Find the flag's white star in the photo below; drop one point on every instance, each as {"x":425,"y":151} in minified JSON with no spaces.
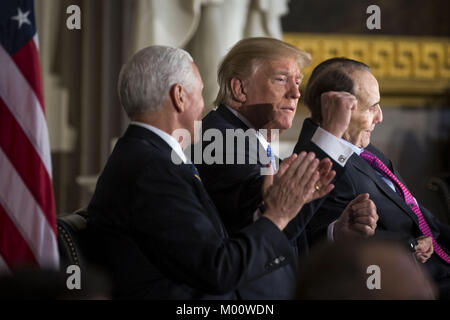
{"x":22,"y":17}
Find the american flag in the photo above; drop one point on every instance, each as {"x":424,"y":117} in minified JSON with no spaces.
{"x":27,"y":207}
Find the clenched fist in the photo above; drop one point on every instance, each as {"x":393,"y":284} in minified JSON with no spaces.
{"x":423,"y":249}
{"x":359,"y":219}
{"x":337,"y":107}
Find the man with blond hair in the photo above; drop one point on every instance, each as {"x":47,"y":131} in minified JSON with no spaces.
{"x":259,"y":80}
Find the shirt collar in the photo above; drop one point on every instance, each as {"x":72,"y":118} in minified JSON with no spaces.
{"x":171,"y":141}
{"x":240,"y":117}
{"x":355,"y":149}
{"x":260,"y":137}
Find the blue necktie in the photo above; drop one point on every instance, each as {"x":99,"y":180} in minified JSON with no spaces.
{"x":196,"y":174}
{"x":272,"y":158}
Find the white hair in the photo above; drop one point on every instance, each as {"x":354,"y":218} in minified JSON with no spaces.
{"x":145,"y":80}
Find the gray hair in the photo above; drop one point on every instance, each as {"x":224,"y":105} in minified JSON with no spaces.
{"x":145,"y":80}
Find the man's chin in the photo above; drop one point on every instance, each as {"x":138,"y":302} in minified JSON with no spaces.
{"x":365,"y":144}
{"x":284,"y":124}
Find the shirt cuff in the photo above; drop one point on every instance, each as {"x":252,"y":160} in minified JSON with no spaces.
{"x":332,"y":146}
{"x":330,"y":231}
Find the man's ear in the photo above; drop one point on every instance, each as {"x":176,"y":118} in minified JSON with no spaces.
{"x":178,"y":97}
{"x":238,"y":90}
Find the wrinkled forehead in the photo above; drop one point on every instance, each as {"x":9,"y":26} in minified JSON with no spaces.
{"x":365,"y":86}
{"x":288,"y":65}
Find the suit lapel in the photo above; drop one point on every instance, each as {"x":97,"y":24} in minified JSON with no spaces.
{"x":308,"y":130}
{"x":361,"y":165}
{"x":231,"y":118}
{"x":238,"y":124}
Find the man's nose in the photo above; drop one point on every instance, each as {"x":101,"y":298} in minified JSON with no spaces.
{"x":379,"y":115}
{"x":294,"y":92}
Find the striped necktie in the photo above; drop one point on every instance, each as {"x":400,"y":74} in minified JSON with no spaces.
{"x":378,"y":165}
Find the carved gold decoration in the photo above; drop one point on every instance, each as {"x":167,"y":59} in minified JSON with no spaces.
{"x":412,"y":71}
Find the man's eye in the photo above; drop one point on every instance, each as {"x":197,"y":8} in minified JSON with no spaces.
{"x":280,"y":79}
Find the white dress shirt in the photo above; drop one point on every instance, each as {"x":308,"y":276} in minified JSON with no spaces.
{"x":337,"y":149}
{"x":261,"y":138}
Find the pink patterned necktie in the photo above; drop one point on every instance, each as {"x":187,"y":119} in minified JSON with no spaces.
{"x":378,"y":165}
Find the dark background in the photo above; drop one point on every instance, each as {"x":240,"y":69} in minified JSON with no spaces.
{"x":398,"y":17}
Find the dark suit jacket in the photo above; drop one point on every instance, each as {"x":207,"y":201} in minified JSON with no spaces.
{"x":154,"y":227}
{"x":236,"y":192}
{"x":396,"y":219}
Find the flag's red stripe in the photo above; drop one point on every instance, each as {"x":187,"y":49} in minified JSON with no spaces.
{"x":13,"y":248}
{"x":28,"y":164}
{"x":27,"y":60}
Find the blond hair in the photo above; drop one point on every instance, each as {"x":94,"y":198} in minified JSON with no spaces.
{"x":246,"y":55}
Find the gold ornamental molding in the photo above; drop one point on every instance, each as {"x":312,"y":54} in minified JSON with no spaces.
{"x":412,"y":71}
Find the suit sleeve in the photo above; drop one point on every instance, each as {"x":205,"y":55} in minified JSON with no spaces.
{"x":440,"y":230}
{"x":177,"y":233}
{"x":444,"y":235}
{"x":324,"y":145}
{"x":331,"y":209}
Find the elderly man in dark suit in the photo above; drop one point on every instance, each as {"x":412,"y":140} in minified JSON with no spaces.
{"x":152,"y":223}
{"x":368,"y":170}
{"x":258,"y":95}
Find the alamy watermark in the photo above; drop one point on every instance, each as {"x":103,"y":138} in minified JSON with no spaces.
{"x":74,"y":279}
{"x":236,"y":146}
{"x":374,"y":20}
{"x":74,"y":20}
{"x":374,"y":280}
